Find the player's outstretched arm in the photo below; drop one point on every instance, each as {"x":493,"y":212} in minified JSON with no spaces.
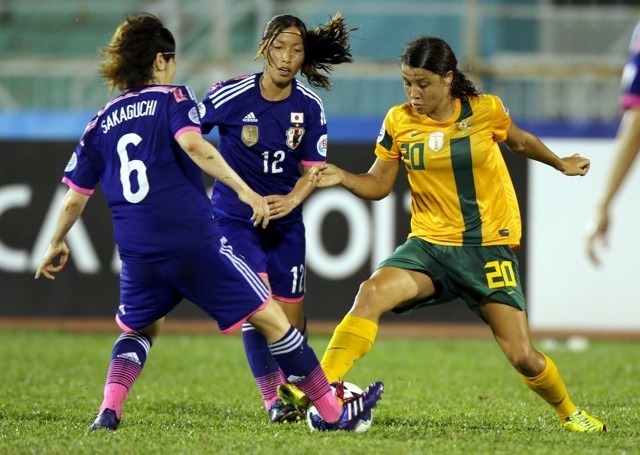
{"x":526,"y":144}
{"x":207,"y":157}
{"x":374,"y":185}
{"x":55,"y":258}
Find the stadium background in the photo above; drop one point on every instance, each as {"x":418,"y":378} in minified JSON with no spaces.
{"x":555,"y":63}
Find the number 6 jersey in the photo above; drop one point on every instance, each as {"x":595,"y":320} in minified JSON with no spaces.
{"x":149,"y":182}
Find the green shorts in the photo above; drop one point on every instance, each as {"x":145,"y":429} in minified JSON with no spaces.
{"x":472,"y":273}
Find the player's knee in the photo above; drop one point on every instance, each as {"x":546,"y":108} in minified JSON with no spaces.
{"x":370,"y":299}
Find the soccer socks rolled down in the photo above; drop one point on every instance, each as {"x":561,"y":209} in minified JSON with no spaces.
{"x":127,"y":360}
{"x":301,"y":367}
{"x":264,"y":367}
{"x":351,"y":340}
{"x":550,"y":387}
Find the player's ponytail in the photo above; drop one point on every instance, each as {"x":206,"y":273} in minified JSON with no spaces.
{"x":326,"y":45}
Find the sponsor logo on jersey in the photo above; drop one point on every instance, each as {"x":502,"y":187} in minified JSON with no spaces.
{"x":321,"y":146}
{"x":294,"y":136}
{"x":250,"y":118}
{"x":73,"y":162}
{"x":297,"y":117}
{"x":249,"y":135}
{"x":436,"y":141}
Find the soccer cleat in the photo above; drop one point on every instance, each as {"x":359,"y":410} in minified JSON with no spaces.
{"x":293,"y":396}
{"x":582,"y":422}
{"x":283,"y":413}
{"x":353,"y":410}
{"x":106,"y":420}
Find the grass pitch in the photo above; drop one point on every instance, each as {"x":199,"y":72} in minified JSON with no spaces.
{"x":196,"y":396}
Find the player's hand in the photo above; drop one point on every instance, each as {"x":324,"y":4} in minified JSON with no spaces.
{"x":325,"y":175}
{"x":575,"y":165}
{"x":597,"y":233}
{"x":59,"y":254}
{"x":260,"y":208}
{"x":280,"y":206}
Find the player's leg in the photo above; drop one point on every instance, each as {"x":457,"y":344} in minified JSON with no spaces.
{"x":539,"y":373}
{"x":301,"y":367}
{"x":388,"y":288}
{"x":280,"y":251}
{"x":267,"y":374}
{"x":227,"y":289}
{"x":144,"y":303}
{"x":128,"y":357}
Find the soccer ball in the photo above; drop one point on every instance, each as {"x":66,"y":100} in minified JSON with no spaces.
{"x":350,"y":390}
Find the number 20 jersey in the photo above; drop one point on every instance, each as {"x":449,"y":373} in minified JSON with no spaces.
{"x":155,"y":191}
{"x":264,"y":141}
{"x":461,"y":191}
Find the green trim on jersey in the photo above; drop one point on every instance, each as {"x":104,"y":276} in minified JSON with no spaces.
{"x":462,"y":166}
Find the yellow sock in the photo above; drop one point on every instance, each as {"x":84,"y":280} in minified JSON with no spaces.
{"x":550,"y":386}
{"x":351,"y":340}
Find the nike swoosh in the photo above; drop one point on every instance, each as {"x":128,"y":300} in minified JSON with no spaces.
{"x":415,"y":133}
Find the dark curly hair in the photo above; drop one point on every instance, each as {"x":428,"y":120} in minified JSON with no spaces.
{"x":324,"y":46}
{"x":434,"y":54}
{"x":127,"y":61}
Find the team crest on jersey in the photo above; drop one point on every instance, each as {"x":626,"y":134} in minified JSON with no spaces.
{"x":436,"y":141}
{"x":249,"y":135}
{"x":294,"y":136}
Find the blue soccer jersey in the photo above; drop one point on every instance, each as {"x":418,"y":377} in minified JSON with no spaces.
{"x":264,"y":141}
{"x":149,"y":182}
{"x":631,"y":74}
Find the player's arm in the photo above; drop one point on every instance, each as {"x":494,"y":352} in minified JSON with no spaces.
{"x":207,"y":157}
{"x":374,"y":185}
{"x":526,"y":144}
{"x":627,"y":151}
{"x":628,"y":148}
{"x":281,"y":205}
{"x":70,"y":210}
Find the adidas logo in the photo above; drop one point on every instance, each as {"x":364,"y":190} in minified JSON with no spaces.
{"x":250,"y":117}
{"x":130,"y":356}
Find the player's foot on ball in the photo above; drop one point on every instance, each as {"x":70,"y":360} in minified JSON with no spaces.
{"x":283,"y":413}
{"x":582,"y":422}
{"x":353,"y":410}
{"x":106,"y":420}
{"x":293,"y":396}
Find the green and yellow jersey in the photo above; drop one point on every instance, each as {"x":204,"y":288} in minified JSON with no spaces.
{"x":460,"y":186}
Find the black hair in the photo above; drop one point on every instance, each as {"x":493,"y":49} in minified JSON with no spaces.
{"x":324,"y":46}
{"x":434,"y":54}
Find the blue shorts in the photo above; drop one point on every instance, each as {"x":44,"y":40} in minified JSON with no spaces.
{"x":214,"y":278}
{"x":277,"y":252}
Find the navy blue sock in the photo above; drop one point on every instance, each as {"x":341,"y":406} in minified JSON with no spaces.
{"x":264,"y":367}
{"x":301,"y":367}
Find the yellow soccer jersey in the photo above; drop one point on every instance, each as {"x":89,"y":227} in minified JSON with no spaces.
{"x":460,"y":186}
